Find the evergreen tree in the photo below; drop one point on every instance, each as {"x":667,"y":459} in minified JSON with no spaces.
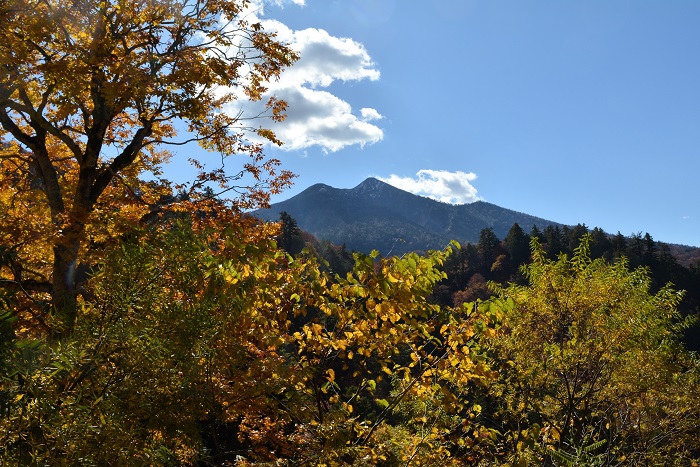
{"x":601,"y":246}
{"x":517,"y":246}
{"x":535,"y":232}
{"x":574,"y":237}
{"x":290,"y":238}
{"x":553,"y":241}
{"x":635,"y":250}
{"x":489,"y":249}
{"x":619,"y":245}
{"x":461,"y":266}
{"x":650,"y":250}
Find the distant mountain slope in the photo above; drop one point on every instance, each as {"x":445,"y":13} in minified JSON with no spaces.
{"x":685,"y":255}
{"x":376,"y":215}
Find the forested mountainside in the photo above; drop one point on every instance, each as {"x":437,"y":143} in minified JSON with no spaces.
{"x":376,"y":215}
{"x":684,"y":254}
{"x":500,"y":259}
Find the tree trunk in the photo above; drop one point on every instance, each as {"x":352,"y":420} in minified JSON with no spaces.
{"x":63,"y":295}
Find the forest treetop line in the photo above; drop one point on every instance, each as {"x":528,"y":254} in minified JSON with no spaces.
{"x":376,"y":215}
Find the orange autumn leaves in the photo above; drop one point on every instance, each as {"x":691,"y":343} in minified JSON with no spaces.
{"x":91,"y":91}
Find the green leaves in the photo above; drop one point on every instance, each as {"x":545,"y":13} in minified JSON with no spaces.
{"x":193,"y":337}
{"x":586,"y":349}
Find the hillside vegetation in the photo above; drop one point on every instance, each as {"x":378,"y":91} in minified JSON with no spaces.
{"x":200,"y":345}
{"x":148,"y":323}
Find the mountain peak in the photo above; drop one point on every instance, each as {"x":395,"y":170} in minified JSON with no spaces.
{"x":374,"y":214}
{"x":371,"y":184}
{"x":371,"y":188}
{"x":319,"y":187}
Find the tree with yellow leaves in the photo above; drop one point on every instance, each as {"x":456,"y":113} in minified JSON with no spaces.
{"x":90,"y":91}
{"x":593,"y":371}
{"x":194,"y":339}
{"x":201,"y":344}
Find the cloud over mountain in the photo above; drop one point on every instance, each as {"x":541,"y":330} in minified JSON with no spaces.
{"x":448,"y":187}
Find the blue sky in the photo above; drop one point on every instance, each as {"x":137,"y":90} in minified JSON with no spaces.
{"x":576,"y":111}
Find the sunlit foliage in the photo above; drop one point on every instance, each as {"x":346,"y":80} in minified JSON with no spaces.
{"x":592,"y":367}
{"x":145,"y":326}
{"x":194,"y":344}
{"x":90,"y":92}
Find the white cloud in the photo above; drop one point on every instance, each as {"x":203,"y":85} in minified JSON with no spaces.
{"x":296,"y":2}
{"x":324,"y":58}
{"x":448,"y":187}
{"x":370,"y":114}
{"x":315,"y":117}
{"x":318,"y":118}
{"x":257,"y":7}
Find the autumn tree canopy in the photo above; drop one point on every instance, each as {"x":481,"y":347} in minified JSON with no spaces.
{"x":131,"y":338}
{"x":91,"y":92}
{"x":592,"y":369}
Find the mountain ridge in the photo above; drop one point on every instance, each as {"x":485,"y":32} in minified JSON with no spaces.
{"x":376,"y":215}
